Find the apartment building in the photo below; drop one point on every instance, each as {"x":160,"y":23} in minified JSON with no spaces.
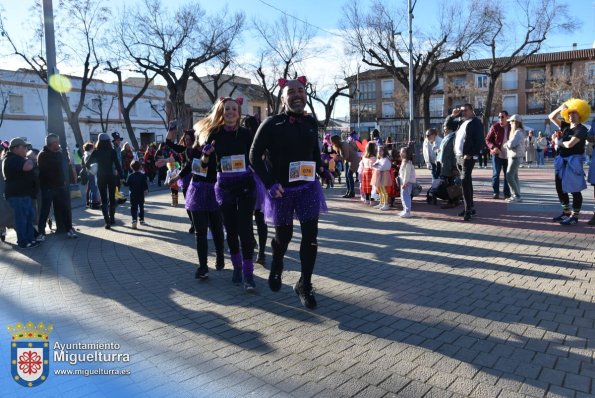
{"x":23,"y":109}
{"x":533,"y":89}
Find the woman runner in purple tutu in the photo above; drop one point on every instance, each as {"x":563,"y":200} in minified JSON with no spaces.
{"x":291,"y":139}
{"x":202,"y":205}
{"x":235,"y":190}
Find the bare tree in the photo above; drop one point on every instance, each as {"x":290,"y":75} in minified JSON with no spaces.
{"x":172,"y":45}
{"x":3,"y":104}
{"x":160,"y":111}
{"x":533,"y":21}
{"x":328,"y":105}
{"x":286,"y":45}
{"x":212,"y":83}
{"x":101,"y":105}
{"x":82,"y":21}
{"x":376,"y":37}
{"x":125,"y":108}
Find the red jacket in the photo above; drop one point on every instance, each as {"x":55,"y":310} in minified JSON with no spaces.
{"x":496,"y":136}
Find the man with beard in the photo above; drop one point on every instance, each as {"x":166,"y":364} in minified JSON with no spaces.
{"x":291,"y":139}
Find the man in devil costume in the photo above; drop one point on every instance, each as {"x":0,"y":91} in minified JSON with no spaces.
{"x":290,"y":141}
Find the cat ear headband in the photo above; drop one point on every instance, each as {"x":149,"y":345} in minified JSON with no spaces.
{"x":283,"y":82}
{"x":239,"y":100}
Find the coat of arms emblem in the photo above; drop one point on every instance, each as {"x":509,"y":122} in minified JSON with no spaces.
{"x":30,"y":353}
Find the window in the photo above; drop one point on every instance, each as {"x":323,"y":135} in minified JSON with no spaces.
{"x":481,"y":81}
{"x":535,"y":77}
{"x":590,"y":71}
{"x":367,"y":90}
{"x":561,"y":71}
{"x":440,"y":85}
{"x":96,"y":104}
{"x":557,"y":97}
{"x":257,"y":110}
{"x":591,"y":97}
{"x":15,"y":103}
{"x":133,"y":110}
{"x":93,"y":137}
{"x":459,"y":81}
{"x":510,"y":104}
{"x":535,"y":103}
{"x":388,"y":88}
{"x":480,"y":102}
{"x":437,"y":106}
{"x":367,"y":112}
{"x":388,"y":109}
{"x":510,"y":80}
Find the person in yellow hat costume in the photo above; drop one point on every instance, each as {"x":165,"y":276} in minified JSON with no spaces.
{"x":570,"y":144}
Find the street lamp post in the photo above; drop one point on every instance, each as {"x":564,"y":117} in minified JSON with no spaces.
{"x":411,"y":77}
{"x":55,"y":121}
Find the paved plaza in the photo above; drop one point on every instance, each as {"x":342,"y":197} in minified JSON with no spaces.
{"x":502,"y":306}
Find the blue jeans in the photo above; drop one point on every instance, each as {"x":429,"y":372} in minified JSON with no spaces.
{"x":434,"y":171}
{"x":92,"y":192}
{"x":24,"y":217}
{"x":349,"y":178}
{"x":540,"y":158}
{"x":406,"y":197}
{"x":497,"y":166}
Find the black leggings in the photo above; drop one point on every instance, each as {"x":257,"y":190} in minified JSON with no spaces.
{"x":203,"y":220}
{"x":262,"y":229}
{"x":188,"y":211}
{"x":107,"y":190}
{"x":577,"y":197}
{"x":308,"y":247}
{"x":237,"y":219}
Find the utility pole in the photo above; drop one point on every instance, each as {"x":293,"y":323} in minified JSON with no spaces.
{"x":411,"y":77}
{"x":55,"y":122}
{"x":358,"y":105}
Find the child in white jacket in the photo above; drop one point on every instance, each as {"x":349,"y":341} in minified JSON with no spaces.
{"x":407,"y":179}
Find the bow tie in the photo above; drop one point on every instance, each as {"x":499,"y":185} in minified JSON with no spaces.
{"x":295,"y":119}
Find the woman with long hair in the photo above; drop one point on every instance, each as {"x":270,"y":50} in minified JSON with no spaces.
{"x":221,"y":136}
{"x":201,"y":203}
{"x":108,"y":170}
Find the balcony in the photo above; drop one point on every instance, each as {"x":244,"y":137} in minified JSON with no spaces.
{"x":532,"y":83}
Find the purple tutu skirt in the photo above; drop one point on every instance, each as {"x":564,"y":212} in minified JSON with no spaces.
{"x":231,"y":187}
{"x":304,"y":202}
{"x":200,"y":196}
{"x":184,"y":183}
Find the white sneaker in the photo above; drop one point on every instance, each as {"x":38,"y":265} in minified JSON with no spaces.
{"x":40,"y":238}
{"x":405,"y":214}
{"x":514,"y":199}
{"x":385,"y":207}
{"x":367,"y":202}
{"x":71,"y":234}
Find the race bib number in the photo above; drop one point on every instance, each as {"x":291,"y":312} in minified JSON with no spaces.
{"x":302,"y":171}
{"x":197,"y":168}
{"x":233,"y":164}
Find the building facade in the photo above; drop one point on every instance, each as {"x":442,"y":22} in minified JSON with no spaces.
{"x":255,"y":102}
{"x":533,"y":89}
{"x":23,"y":109}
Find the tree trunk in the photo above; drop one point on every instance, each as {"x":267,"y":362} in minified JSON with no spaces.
{"x":73,"y":121}
{"x":129,"y":129}
{"x":487,"y":112}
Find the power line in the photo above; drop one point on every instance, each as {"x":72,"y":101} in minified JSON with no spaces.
{"x":299,"y":19}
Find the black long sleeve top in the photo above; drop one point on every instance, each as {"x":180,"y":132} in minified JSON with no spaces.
{"x":230,"y":143}
{"x":196,"y":154}
{"x":107,"y":162}
{"x":286,"y":142}
{"x":474,"y":139}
